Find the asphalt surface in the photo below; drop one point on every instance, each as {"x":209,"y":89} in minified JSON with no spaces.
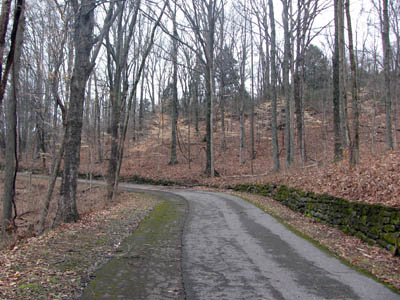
{"x":233,"y":250}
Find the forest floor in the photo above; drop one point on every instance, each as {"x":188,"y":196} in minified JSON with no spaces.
{"x":59,"y":263}
{"x":375,"y":180}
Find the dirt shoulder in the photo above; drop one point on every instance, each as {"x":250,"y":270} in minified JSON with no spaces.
{"x":59,"y":264}
{"x":370,"y":260}
{"x":148,"y":265}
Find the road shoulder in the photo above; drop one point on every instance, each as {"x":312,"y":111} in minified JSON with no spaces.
{"x":148,"y":265}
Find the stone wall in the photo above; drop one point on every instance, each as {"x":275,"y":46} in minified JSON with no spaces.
{"x":375,"y":224}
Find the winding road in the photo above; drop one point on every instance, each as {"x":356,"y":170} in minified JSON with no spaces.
{"x":230,"y":249}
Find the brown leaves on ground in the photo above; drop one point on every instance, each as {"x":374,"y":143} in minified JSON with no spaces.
{"x":58,"y":264}
{"x":376,"y":180}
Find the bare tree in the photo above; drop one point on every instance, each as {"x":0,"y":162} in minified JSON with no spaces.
{"x":286,"y":76}
{"x":355,"y":139}
{"x":147,"y":46}
{"x":243,"y":53}
{"x":274,"y":77}
{"x":338,"y":150}
{"x":117,"y":54}
{"x":84,"y":43}
{"x":11,"y":158}
{"x":174,"y":102}
{"x":203,"y":16}
{"x":385,"y":30}
{"x":5,"y":70}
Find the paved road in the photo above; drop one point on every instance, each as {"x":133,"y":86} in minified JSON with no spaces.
{"x":233,"y":250}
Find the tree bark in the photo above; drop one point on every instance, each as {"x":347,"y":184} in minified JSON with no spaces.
{"x":174,"y":102}
{"x":83,"y":44}
{"x":338,"y":149}
{"x":286,"y":83}
{"x":355,"y":139}
{"x":387,"y":69}
{"x":344,"y":122}
{"x":274,"y":76}
{"x":4,"y":20}
{"x":11,"y":161}
{"x":242,"y":109}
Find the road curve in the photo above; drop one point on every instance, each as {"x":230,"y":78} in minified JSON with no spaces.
{"x":233,"y":250}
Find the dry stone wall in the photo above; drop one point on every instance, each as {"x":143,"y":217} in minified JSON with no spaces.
{"x":375,"y":224}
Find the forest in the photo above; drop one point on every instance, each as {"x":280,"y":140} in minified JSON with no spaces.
{"x":255,"y":86}
{"x":195,"y":93}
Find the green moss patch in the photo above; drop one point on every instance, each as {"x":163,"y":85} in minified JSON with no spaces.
{"x":148,"y":261}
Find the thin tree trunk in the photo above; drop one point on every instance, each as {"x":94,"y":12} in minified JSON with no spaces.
{"x":124,"y":127}
{"x":344,"y":122}
{"x":209,"y":102}
{"x":11,"y":157}
{"x":242,"y":108}
{"x":338,"y":149}
{"x":298,"y":85}
{"x":98,"y":121}
{"x":355,"y":140}
{"x":141,"y":109}
{"x":252,"y":150}
{"x":387,"y":69}
{"x":174,"y":104}
{"x":286,"y":73}
{"x":273,"y":88}
{"x":50,"y":189}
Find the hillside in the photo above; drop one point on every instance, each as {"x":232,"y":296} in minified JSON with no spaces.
{"x":375,"y":180}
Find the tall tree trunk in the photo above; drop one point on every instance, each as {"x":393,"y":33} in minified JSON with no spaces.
{"x":116,"y":95}
{"x":11,"y":158}
{"x":274,"y":76}
{"x":338,"y":149}
{"x":174,"y":102}
{"x":113,"y":179}
{"x":83,"y":42}
{"x":286,"y":83}
{"x":208,"y":122}
{"x":355,"y":139}
{"x":242,"y":109}
{"x":210,"y":86}
{"x":344,"y":122}
{"x":252,"y":138}
{"x":387,"y":69}
{"x":298,"y":84}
